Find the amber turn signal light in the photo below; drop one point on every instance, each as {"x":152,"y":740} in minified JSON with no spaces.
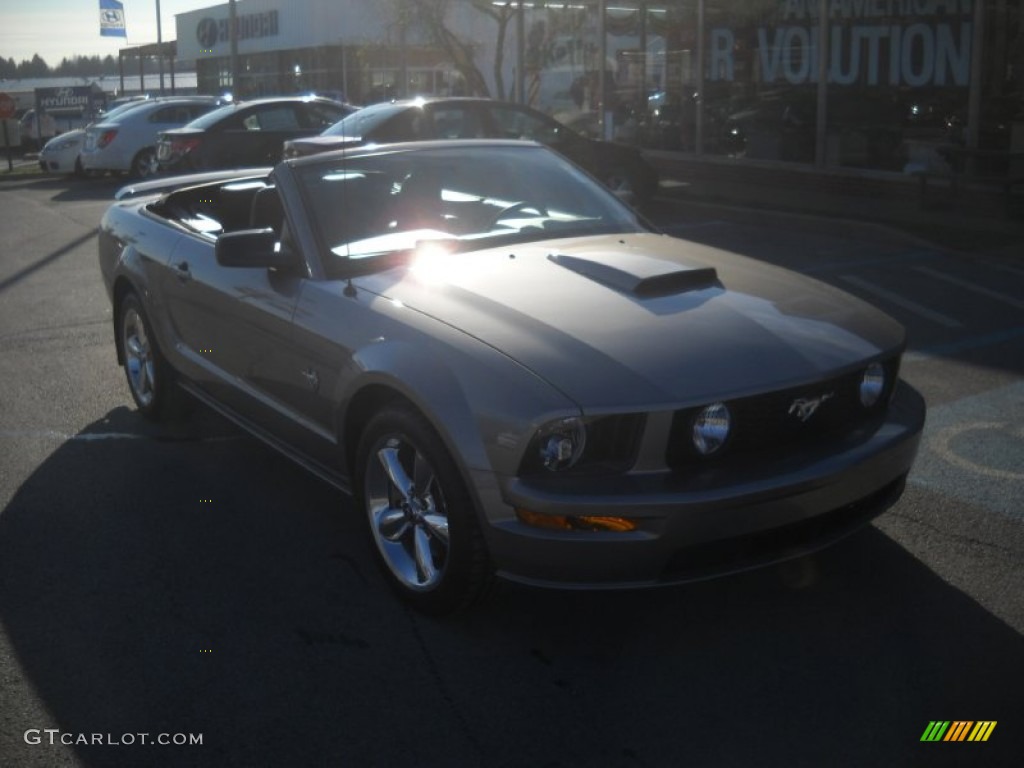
{"x":574,"y":522}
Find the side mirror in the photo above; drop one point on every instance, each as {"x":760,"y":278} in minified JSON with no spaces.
{"x":253,"y":249}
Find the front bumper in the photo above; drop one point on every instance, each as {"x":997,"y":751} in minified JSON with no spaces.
{"x":712,"y":521}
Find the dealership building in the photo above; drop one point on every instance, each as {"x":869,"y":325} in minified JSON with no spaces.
{"x":865,"y":85}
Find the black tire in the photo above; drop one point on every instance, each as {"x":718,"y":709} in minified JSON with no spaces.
{"x":426,"y":539}
{"x":150,"y":377}
{"x":144,"y":164}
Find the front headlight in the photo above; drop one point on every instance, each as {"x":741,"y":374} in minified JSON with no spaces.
{"x":560,"y":444}
{"x":600,"y":444}
{"x":872,"y":384}
{"x":711,"y":428}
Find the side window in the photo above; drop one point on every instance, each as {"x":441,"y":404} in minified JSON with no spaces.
{"x":235,"y":122}
{"x":274,"y":118}
{"x":457,"y":122}
{"x":516,"y":124}
{"x":166,"y":115}
{"x":405,"y":126}
{"x":177,"y":113}
{"x":320,"y":116}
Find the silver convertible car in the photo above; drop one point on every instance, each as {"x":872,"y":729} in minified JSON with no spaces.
{"x":510,"y":371}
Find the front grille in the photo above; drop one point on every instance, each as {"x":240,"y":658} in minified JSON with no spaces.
{"x":805,"y":415}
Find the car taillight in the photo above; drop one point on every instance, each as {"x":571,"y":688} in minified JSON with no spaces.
{"x":105,"y":138}
{"x":184,"y":146}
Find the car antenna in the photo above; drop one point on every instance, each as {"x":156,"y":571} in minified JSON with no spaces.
{"x":350,"y":290}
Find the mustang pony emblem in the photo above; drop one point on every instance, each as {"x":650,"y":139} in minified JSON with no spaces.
{"x":804,"y":407}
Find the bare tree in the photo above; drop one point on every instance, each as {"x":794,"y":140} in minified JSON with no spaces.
{"x":432,"y":15}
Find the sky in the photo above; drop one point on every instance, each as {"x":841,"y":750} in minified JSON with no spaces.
{"x":56,"y":29}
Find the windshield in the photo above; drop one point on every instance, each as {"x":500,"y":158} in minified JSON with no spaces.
{"x":120,"y":109}
{"x":393,"y":201}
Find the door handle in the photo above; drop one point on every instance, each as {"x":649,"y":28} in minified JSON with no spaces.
{"x":182,"y":271}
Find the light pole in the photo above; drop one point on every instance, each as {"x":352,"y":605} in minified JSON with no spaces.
{"x":159,"y":48}
{"x":233,"y":25}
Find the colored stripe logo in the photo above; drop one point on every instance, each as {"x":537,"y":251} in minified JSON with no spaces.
{"x":958,"y":730}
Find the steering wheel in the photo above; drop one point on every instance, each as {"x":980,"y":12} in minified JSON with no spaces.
{"x":523,"y":205}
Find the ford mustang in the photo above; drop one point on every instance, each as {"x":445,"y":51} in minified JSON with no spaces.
{"x":511,"y":372}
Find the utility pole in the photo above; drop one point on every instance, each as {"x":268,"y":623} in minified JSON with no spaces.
{"x":159,"y":48}
{"x":233,"y":32}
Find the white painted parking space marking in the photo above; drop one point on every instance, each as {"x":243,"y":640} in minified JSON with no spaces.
{"x":934,"y":351}
{"x":88,"y":437}
{"x":968,"y":285}
{"x":1003,"y":267}
{"x":880,"y":261}
{"x":900,"y":301}
{"x":972,"y":451}
{"x":944,"y":444}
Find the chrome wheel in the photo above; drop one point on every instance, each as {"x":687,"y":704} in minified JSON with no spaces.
{"x":139,"y":362}
{"x":151,"y":379}
{"x":407,"y":512}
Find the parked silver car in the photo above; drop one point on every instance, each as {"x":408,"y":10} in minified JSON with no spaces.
{"x":509,"y":369}
{"x":126,"y":142}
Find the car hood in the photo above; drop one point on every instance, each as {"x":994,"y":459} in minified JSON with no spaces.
{"x":644,"y":319}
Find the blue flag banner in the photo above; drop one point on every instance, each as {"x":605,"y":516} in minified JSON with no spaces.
{"x":112,"y":19}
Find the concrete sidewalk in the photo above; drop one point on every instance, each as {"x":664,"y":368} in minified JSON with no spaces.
{"x":977,"y":218}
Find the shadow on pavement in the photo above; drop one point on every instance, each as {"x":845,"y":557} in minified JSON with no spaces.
{"x":210,"y":587}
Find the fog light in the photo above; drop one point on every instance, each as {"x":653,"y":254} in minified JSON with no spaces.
{"x":711,"y":428}
{"x":872,"y":384}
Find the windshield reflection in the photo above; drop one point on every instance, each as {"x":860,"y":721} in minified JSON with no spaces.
{"x":391,"y":202}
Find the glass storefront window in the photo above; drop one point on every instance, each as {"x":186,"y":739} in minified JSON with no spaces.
{"x":760,"y":76}
{"x":669,"y":48}
{"x":895,"y":79}
{"x":562,"y":51}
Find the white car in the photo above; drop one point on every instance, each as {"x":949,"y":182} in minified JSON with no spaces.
{"x":126,"y":142}
{"x":60,"y":154}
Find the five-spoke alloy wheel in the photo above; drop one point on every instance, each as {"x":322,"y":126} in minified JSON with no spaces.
{"x":149,"y":375}
{"x":421,"y":518}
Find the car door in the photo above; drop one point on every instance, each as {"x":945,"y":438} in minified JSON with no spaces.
{"x":233,"y":325}
{"x":254,"y":136}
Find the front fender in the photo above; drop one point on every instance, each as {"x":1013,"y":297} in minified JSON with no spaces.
{"x":131,"y":250}
{"x":484,"y":406}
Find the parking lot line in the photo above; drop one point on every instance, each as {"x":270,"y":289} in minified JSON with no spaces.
{"x":963,"y":345}
{"x":967,"y":284}
{"x":886,"y":260}
{"x":898,"y":300}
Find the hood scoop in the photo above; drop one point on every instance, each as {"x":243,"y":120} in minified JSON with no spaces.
{"x":640,"y":276}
